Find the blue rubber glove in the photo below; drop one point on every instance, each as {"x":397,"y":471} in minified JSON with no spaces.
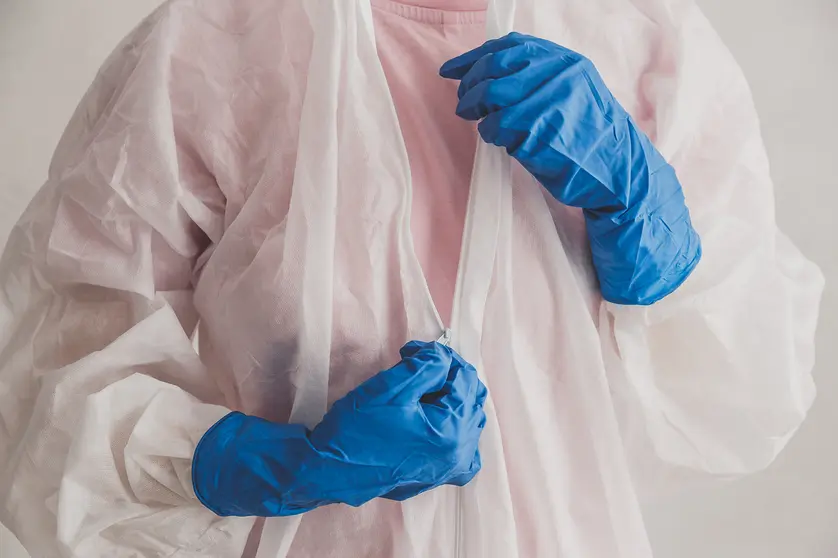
{"x":550,"y":109}
{"x":408,"y":429}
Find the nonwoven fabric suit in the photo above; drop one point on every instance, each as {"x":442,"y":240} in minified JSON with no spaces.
{"x":237,"y":179}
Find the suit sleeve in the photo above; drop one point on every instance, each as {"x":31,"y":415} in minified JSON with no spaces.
{"x":102,"y":395}
{"x":716,"y":378}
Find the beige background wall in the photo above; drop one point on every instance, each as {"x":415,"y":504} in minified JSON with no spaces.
{"x":50,"y":50}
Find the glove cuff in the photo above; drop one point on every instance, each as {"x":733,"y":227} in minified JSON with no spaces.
{"x":247,"y":466}
{"x":641,"y":261}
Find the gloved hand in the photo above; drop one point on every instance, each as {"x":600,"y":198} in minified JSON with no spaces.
{"x":550,"y":109}
{"x":411,"y":428}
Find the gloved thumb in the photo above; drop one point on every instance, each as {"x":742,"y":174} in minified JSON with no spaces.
{"x":423,"y":369}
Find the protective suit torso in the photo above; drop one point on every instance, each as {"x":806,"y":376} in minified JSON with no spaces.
{"x":238,"y":169}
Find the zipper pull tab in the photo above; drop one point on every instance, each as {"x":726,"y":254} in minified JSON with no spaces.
{"x":446,"y":338}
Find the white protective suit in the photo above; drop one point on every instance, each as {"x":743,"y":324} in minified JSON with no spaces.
{"x":238,"y":164}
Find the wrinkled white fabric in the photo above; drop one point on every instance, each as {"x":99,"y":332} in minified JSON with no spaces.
{"x":239,"y":165}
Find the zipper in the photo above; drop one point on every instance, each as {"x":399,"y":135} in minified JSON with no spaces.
{"x":445,"y":339}
{"x":458,"y":528}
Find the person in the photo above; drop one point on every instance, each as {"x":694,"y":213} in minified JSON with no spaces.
{"x":404,"y":349}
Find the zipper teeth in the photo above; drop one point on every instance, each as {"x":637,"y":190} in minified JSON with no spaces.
{"x":445,"y":339}
{"x":458,"y":547}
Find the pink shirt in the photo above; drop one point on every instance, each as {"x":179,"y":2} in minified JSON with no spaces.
{"x":415,"y":37}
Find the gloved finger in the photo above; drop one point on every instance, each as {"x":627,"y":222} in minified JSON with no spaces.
{"x":460,"y":390}
{"x":457,"y":67}
{"x":495,"y":66}
{"x":478,"y":421}
{"x":457,"y":357}
{"x":407,"y":491}
{"x":467,"y":476}
{"x":460,"y":428}
{"x":459,"y":478}
{"x":465,"y":387}
{"x":505,"y":128}
{"x":483,"y":97}
{"x":482,"y":391}
{"x":413,"y":347}
{"x":481,"y":100}
{"x":424,"y":370}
